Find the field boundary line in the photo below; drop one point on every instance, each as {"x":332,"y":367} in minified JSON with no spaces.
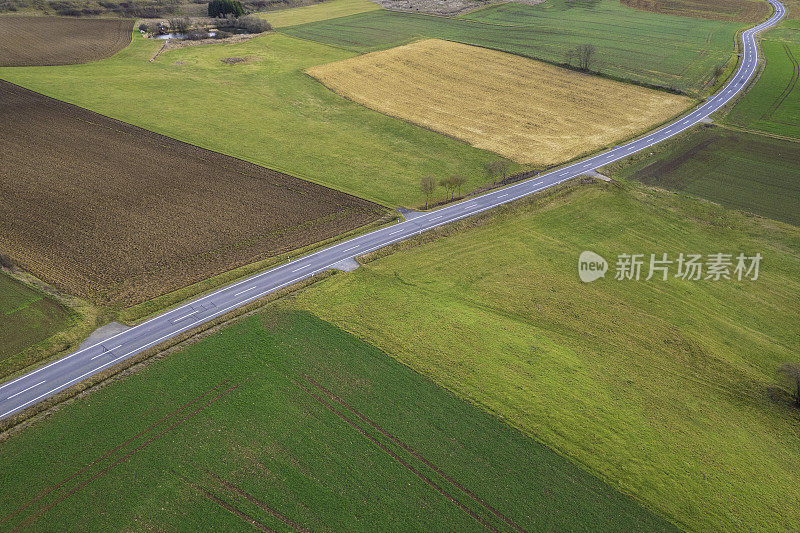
{"x":734,"y":127}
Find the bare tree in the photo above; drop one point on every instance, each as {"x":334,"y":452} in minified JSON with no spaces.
{"x":447,"y":183}
{"x":570,"y":56}
{"x":792,"y":372}
{"x":583,"y":55}
{"x":458,"y":181}
{"x":586,"y":56}
{"x":497,"y":170}
{"x":427,"y":186}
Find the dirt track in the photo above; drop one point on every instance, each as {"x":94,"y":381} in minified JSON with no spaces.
{"x":117,"y":214}
{"x":34,"y":41}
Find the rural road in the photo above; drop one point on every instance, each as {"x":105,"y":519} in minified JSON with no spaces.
{"x":33,"y":387}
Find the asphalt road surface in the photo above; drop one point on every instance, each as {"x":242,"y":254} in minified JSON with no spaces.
{"x":33,"y":387}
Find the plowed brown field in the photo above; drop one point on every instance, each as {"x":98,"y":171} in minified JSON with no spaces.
{"x":118,"y":214}
{"x":30,"y":41}
{"x":750,"y":11}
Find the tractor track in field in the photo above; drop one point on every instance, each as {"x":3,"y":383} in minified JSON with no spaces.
{"x":227,"y":506}
{"x":146,"y":430}
{"x":32,"y":518}
{"x":416,"y":454}
{"x":789,"y":87}
{"x":258,"y":503}
{"x":408,"y":466}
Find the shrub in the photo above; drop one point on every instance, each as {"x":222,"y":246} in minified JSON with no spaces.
{"x":253,"y":24}
{"x":180,"y":25}
{"x":227,"y":22}
{"x":222,"y":34}
{"x":197,"y":35}
{"x":7,"y":6}
{"x":6,"y":261}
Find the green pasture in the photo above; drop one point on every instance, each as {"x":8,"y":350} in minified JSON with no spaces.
{"x":772,"y":105}
{"x":27,"y":317}
{"x":740,"y":170}
{"x":650,"y":48}
{"x":266,"y":111}
{"x":667,"y":389}
{"x":286,"y":423}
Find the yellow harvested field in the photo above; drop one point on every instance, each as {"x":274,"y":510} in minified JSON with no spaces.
{"x":526,"y":110}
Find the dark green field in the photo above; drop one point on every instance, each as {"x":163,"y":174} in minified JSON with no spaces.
{"x":744,"y":171}
{"x":773,"y":103}
{"x":644,"y":47}
{"x":27,"y":317}
{"x":288,"y":423}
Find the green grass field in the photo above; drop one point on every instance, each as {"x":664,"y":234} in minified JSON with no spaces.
{"x":663,"y":50}
{"x":323,"y":11}
{"x":266,"y":111}
{"x":27,"y":317}
{"x":773,"y":103}
{"x":660,"y":387}
{"x":746,"y":171}
{"x":788,"y":30}
{"x":286,"y":422}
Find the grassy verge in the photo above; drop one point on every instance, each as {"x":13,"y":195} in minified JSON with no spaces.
{"x":664,"y":388}
{"x":286,"y":422}
{"x":137,"y":313}
{"x":740,"y":170}
{"x":35,"y":325}
{"x":647,"y":48}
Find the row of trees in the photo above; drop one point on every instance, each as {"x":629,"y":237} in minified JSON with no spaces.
{"x":496,"y":171}
{"x":451,"y":184}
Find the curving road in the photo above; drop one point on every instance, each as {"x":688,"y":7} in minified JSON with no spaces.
{"x":30,"y":388}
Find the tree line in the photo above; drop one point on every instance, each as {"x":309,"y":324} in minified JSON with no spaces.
{"x":496,"y":171}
